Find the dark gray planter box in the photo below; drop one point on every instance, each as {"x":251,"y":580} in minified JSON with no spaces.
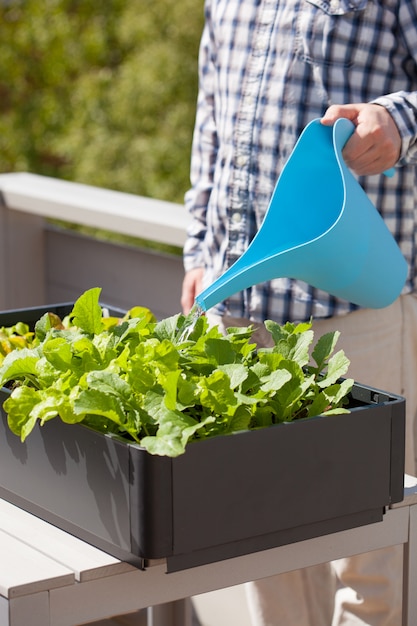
{"x":224,"y":497}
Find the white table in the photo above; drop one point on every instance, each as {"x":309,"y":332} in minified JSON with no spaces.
{"x":49,"y":578}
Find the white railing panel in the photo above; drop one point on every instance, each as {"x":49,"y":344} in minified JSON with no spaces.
{"x":40,"y":263}
{"x":115,"y":211}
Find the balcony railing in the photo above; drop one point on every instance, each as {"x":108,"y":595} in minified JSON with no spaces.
{"x":43,"y":262}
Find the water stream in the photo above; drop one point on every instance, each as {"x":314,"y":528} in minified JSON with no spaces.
{"x":190,"y":321}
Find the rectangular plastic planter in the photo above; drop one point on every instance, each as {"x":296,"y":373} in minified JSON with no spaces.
{"x":225,"y":496}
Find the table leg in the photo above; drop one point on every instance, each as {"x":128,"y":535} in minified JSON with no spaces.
{"x":178,"y":613}
{"x":4,"y":612}
{"x":410,"y":572}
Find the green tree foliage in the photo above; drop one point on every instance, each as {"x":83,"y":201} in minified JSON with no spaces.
{"x":100,"y":92}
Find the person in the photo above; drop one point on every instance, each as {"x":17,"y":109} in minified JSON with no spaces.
{"x":266,"y":69}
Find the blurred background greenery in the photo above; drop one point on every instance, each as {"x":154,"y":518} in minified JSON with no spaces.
{"x":102,"y":93}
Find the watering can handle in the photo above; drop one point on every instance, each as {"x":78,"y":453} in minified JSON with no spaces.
{"x":346,"y":129}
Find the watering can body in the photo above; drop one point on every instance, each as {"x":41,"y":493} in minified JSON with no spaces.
{"x":320,"y":227}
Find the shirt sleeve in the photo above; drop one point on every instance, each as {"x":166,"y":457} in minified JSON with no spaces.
{"x":402,"y":105}
{"x":203,"y":156}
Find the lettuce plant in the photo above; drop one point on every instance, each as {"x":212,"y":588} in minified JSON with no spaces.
{"x":14,"y":337}
{"x":164,"y":383}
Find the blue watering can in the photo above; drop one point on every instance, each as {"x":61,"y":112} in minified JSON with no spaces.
{"x":320,"y":227}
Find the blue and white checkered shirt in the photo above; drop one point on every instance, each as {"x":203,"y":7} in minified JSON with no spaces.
{"x":267,"y":68}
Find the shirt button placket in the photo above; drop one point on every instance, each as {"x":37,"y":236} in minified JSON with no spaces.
{"x":239,"y":204}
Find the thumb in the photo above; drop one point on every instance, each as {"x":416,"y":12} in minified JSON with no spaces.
{"x":336,"y":111}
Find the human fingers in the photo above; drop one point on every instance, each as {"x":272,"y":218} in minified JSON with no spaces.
{"x":191,"y":286}
{"x":375,"y":145}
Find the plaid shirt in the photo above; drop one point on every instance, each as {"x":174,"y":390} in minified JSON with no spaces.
{"x":267,"y":68}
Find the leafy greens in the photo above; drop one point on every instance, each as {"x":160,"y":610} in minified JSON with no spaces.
{"x":153,"y":383}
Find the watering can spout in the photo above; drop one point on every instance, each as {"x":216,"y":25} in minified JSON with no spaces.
{"x":241,"y":275}
{"x":325,"y":232}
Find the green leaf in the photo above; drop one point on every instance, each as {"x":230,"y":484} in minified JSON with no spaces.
{"x":324,"y":348}
{"x":173,"y":435}
{"x":109,"y":382}
{"x":166,"y":445}
{"x":142,"y":313}
{"x":276,"y":380}
{"x":51,"y":403}
{"x":318,"y":406}
{"x":240,"y":420}
{"x":98,"y":402}
{"x":19,"y":364}
{"x":337,"y":367}
{"x":58,"y":352}
{"x":216,"y":393}
{"x":85,"y":354}
{"x":169,"y":383}
{"x":219,"y":350}
{"x":87,"y":313}
{"x":169,"y":327}
{"x":187,"y":393}
{"x":45,"y":324}
{"x":338,"y":392}
{"x":292,"y":341}
{"x":236,"y":372}
{"x":19,"y":406}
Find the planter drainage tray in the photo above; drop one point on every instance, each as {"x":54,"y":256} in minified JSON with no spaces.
{"x":225,"y":496}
